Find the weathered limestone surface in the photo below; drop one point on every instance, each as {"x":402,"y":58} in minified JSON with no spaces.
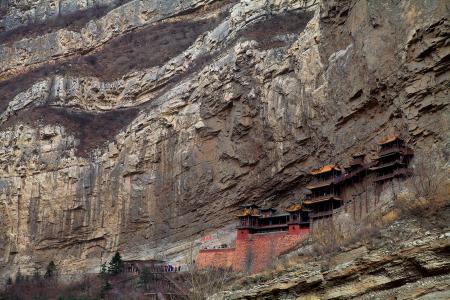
{"x":407,"y":262}
{"x":146,"y":125}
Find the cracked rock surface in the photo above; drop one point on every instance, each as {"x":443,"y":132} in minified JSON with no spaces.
{"x":143,"y":124}
{"x":405,"y":261}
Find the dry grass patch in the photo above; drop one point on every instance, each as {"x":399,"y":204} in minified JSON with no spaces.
{"x":423,"y":206}
{"x":37,"y":287}
{"x":202,"y":283}
{"x":330,"y":236}
{"x":428,"y":190}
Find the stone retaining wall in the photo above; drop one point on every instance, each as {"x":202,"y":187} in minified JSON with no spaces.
{"x":252,"y":254}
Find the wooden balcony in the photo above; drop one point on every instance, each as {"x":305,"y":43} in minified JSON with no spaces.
{"x":397,"y":149}
{"x":347,"y":176}
{"x":399,"y":162}
{"x":321,"y":214}
{"x":396,"y":173}
{"x":296,"y":222}
{"x":259,"y":228}
{"x":246,"y":226}
{"x":320,"y":184}
{"x":323,"y":198}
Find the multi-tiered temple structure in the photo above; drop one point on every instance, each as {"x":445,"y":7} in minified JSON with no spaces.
{"x":324,"y":197}
{"x":355,"y":171}
{"x":393,"y":159}
{"x":262,"y":235}
{"x":329,"y":182}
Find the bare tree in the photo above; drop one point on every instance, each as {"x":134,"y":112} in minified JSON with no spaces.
{"x":428,"y":189}
{"x":203,"y":283}
{"x":430,"y":173}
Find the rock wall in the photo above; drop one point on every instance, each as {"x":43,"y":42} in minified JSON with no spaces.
{"x":144,"y":124}
{"x":406,"y":260}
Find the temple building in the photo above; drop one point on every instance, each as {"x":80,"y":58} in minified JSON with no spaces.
{"x":356,"y":169}
{"x":298,"y":218}
{"x":254,"y":219}
{"x":332,"y":188}
{"x":262,"y":235}
{"x":324,"y":197}
{"x":393,"y":159}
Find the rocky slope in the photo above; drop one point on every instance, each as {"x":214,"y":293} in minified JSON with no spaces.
{"x":140,"y":125}
{"x":405,"y":261}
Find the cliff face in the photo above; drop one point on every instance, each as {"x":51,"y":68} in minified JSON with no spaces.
{"x":139,"y":125}
{"x":405,"y":260}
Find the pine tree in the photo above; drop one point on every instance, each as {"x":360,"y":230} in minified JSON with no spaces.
{"x":103,"y":271}
{"x":19,"y":277}
{"x":104,"y":276}
{"x":51,"y":269}
{"x":115,"y":265}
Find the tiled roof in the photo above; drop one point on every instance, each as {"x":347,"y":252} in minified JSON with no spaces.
{"x":248,"y":212}
{"x":322,"y":199}
{"x":389,"y":139}
{"x":325,"y":169}
{"x":294,"y":207}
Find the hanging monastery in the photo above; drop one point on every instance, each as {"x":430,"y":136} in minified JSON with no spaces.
{"x":262,"y":233}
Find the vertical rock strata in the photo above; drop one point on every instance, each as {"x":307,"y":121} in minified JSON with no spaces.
{"x":146,"y":125}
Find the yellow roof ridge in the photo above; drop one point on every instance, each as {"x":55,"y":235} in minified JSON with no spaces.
{"x":325,"y":169}
{"x":294,"y":207}
{"x":390,"y":138}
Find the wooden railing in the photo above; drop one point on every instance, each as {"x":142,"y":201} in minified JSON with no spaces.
{"x":395,"y":173}
{"x":388,"y":164}
{"x":343,"y":177}
{"x":321,"y":183}
{"x":352,"y":174}
{"x":321,"y":198}
{"x":325,"y":213}
{"x":400,"y":149}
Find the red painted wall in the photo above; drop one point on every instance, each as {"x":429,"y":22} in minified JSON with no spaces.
{"x":219,"y":258}
{"x":254,"y":253}
{"x":242,"y":234}
{"x":296,"y":229}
